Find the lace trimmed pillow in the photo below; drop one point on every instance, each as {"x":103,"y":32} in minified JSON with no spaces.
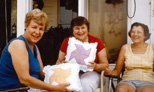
{"x":81,"y":53}
{"x":62,"y":74}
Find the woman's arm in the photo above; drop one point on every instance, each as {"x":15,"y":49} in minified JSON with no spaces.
{"x":61,"y":57}
{"x":19,"y":56}
{"x":102,"y":59}
{"x":119,"y":64}
{"x":153,"y":56}
{"x":41,"y":64}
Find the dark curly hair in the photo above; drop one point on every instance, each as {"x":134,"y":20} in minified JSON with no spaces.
{"x":145,"y":28}
{"x":78,"y":21}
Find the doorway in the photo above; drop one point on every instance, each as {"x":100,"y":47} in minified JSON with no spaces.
{"x":5,"y":21}
{"x":60,"y":13}
{"x":108,"y":21}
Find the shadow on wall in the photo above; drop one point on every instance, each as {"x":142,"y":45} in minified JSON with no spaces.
{"x":114,"y":52}
{"x":50,"y":43}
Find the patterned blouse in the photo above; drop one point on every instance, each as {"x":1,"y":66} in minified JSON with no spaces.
{"x":139,"y":66}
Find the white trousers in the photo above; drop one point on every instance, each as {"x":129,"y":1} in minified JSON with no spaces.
{"x":90,"y":81}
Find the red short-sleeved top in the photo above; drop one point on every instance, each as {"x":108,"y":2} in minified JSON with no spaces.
{"x":92,"y":39}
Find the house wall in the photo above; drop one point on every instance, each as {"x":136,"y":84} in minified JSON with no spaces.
{"x":108,"y":22}
{"x":23,"y":6}
{"x":51,"y":9}
{"x":144,"y":14}
{"x":83,"y":8}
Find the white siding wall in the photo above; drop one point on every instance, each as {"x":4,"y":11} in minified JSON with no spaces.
{"x":23,"y":6}
{"x":142,"y":14}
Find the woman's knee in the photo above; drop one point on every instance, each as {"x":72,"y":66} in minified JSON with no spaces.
{"x":125,"y":88}
{"x":89,"y":82}
{"x":90,"y":77}
{"x":121,"y":89}
{"x":146,"y":88}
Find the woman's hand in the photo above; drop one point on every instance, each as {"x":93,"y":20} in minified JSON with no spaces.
{"x":108,"y":72}
{"x":62,"y":88}
{"x":65,"y":61}
{"x":92,"y":65}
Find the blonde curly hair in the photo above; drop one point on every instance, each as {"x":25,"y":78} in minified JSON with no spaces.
{"x":37,"y":16}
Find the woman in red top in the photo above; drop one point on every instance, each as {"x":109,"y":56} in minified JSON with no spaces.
{"x":80,"y":29}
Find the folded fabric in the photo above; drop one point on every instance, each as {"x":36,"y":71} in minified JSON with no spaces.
{"x":66,"y":73}
{"x":81,"y":53}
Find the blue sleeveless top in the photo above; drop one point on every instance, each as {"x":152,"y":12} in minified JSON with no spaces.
{"x":8,"y":77}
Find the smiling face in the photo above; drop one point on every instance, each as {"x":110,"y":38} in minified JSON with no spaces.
{"x":34,"y":32}
{"x":81,"y":32}
{"x":137,"y":34}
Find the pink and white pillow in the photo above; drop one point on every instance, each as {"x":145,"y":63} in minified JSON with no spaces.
{"x":66,"y":73}
{"x":81,"y":53}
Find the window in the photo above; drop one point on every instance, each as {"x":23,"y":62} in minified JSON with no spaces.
{"x":68,"y":9}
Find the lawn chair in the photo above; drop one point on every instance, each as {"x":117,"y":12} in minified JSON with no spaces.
{"x":108,"y":83}
{"x":113,"y":80}
{"x":101,"y":83}
{"x":23,"y":89}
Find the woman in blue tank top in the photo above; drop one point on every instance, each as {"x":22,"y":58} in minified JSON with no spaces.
{"x":20,"y":63}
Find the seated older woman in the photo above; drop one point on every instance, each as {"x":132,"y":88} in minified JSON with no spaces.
{"x":20,"y":63}
{"x":138,"y":58}
{"x":80,"y":29}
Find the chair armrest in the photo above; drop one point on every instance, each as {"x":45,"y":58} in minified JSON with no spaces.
{"x":102,"y":81}
{"x":23,"y":89}
{"x":112,"y":80}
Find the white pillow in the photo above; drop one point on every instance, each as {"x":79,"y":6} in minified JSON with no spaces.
{"x":63,"y":73}
{"x":81,"y":53}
